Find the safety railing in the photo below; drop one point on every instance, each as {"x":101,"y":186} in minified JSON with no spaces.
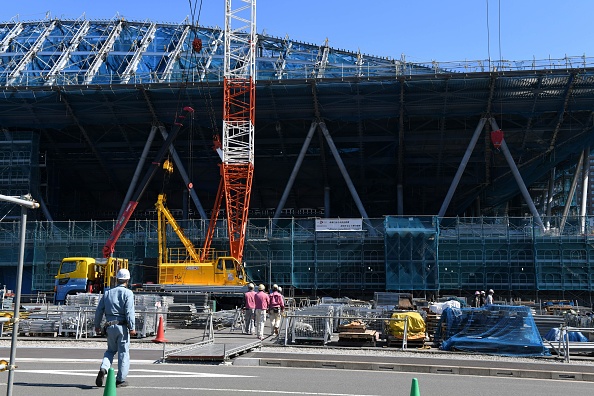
{"x":564,"y":345}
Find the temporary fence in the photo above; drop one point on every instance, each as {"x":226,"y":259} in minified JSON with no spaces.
{"x":76,"y":318}
{"x":313,"y":323}
{"x":354,"y":324}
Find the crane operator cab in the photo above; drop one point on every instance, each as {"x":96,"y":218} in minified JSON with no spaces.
{"x":231,"y":269}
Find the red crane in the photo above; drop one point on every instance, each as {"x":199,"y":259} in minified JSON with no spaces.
{"x":237,"y":168}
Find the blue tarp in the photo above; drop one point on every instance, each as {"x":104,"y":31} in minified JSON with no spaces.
{"x":574,"y":336}
{"x":495,"y":329}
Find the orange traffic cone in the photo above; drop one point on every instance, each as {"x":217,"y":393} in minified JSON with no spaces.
{"x":160,"y":332}
{"x":414,"y":388}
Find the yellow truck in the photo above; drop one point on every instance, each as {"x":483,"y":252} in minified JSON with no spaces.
{"x":86,"y":275}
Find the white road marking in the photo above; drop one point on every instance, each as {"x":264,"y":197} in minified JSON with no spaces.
{"x":253,"y":391}
{"x":141,"y":374}
{"x":74,"y":360}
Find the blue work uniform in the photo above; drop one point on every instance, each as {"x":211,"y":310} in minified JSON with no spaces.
{"x":118,"y":306}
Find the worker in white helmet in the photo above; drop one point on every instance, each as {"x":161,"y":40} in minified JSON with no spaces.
{"x":249,"y":309}
{"x":262,"y":301}
{"x":277,"y":306}
{"x":489,"y":300}
{"x":117,"y":305}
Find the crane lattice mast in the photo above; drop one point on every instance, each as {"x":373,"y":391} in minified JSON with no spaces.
{"x":237,"y":168}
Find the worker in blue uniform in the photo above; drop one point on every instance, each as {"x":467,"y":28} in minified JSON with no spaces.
{"x":117,"y":305}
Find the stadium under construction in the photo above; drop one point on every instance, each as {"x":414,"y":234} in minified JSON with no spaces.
{"x":447,"y":177}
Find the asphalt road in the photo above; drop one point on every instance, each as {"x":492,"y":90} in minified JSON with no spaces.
{"x":64,"y":372}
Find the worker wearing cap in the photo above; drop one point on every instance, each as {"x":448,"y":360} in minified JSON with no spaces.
{"x":482,"y":298}
{"x":117,"y":305}
{"x":489,"y":300}
{"x":262,"y":301}
{"x":277,"y":306}
{"x":249,"y":309}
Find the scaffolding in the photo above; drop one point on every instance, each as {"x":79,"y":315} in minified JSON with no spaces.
{"x":419,"y":255}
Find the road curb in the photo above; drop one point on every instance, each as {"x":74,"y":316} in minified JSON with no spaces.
{"x":415,"y":368}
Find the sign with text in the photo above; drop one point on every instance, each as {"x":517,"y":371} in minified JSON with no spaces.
{"x":339,"y":224}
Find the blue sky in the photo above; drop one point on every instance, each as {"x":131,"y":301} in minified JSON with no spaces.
{"x":442,"y":30}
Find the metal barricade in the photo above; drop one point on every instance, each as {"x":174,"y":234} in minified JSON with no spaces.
{"x":310,"y":324}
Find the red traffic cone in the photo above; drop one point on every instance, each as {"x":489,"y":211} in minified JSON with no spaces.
{"x":160,"y":332}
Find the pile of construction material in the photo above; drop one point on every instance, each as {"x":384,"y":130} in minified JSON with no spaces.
{"x":77,"y":316}
{"x":357,"y":333}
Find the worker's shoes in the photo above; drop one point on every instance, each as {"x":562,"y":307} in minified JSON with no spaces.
{"x":100,"y":377}
{"x":276,"y":331}
{"x":121,"y":384}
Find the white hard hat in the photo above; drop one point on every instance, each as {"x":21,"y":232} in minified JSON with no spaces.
{"x":261,"y":287}
{"x":274,"y":287}
{"x":250,"y":286}
{"x":123,"y":274}
{"x":280,"y":289}
{"x":491,"y":291}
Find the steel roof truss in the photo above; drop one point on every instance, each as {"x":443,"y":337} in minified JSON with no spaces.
{"x":144,"y":43}
{"x":14,"y":32}
{"x":102,"y":53}
{"x":212,"y":49}
{"x":174,"y":55}
{"x":30,"y":54}
{"x":65,"y":56}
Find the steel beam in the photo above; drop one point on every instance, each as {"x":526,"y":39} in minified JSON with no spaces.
{"x":343,"y":170}
{"x":65,"y":56}
{"x":572,"y":189}
{"x":549,"y":201}
{"x":296,"y":168}
{"x":184,"y":175}
{"x":461,"y":167}
{"x":174,"y":55}
{"x":28,"y":57}
{"x":144,"y":43}
{"x":14,"y":32}
{"x":585,"y":189}
{"x":101,"y":54}
{"x":518,"y":177}
{"x":561,"y":117}
{"x":136,"y":176}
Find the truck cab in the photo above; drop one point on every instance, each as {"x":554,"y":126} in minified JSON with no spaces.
{"x":86,"y":275}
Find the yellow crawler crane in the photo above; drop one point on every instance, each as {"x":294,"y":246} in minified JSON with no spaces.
{"x":183,"y":266}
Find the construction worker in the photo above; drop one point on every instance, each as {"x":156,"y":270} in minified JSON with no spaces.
{"x":489,"y":300}
{"x":249,"y":309}
{"x":117,"y":305}
{"x":482,"y":298}
{"x":477,"y":299}
{"x":262,"y":301}
{"x":277,"y":306}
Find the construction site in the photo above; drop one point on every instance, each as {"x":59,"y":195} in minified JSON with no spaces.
{"x":353,"y":174}
{"x":443,"y":208}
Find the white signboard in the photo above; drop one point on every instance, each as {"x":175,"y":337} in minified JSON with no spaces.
{"x":339,"y":224}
